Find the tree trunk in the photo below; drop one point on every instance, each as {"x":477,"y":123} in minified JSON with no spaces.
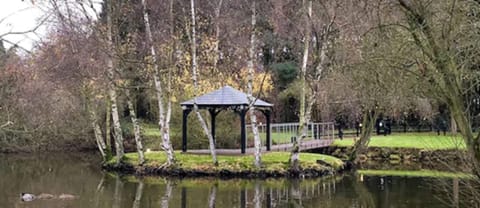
{"x":251,"y":99}
{"x":108,"y":115}
{"x":453,"y":124}
{"x":98,"y":134}
{"x":136,"y":128}
{"x":295,"y":153}
{"x":217,"y":34}
{"x":96,"y":128}
{"x":368,"y":124}
{"x":111,"y":90}
{"x":164,"y":129}
{"x":195,"y":85}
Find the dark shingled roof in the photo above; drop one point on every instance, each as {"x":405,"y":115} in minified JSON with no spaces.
{"x":225,"y":96}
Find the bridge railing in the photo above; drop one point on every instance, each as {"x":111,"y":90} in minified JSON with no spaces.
{"x":282,"y":133}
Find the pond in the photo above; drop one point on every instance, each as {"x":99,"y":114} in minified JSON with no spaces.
{"x":80,"y":176}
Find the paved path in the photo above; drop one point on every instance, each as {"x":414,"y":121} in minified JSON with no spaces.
{"x":306,"y":145}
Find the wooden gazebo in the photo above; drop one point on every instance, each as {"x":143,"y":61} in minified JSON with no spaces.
{"x":226,"y":98}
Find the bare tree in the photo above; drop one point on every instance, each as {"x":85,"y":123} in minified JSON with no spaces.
{"x":119,"y":149}
{"x":136,"y":128}
{"x":164,"y":117}
{"x":195,"y":84}
{"x":304,"y":114}
{"x":251,"y":99}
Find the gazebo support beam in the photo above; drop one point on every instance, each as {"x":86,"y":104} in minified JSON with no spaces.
{"x":269,"y":138}
{"x":213,"y":114}
{"x":243,"y":135}
{"x":267,"y":114}
{"x":184,"y":129}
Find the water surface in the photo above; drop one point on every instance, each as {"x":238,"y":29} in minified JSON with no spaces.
{"x":80,"y":176}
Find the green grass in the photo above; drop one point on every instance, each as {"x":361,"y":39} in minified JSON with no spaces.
{"x":270,"y":161}
{"x":414,"y":173}
{"x":411,"y":140}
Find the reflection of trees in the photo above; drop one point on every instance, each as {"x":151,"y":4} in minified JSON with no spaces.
{"x":117,"y":194}
{"x":257,"y":198}
{"x":295,"y":194}
{"x":365,"y":198}
{"x":168,"y":194}
{"x":138,"y":194}
{"x":99,"y":191}
{"x":243,"y":198}
{"x":213,"y":196}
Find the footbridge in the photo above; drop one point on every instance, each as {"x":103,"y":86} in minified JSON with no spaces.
{"x":283,"y":136}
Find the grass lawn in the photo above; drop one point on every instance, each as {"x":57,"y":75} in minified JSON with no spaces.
{"x":271,"y":161}
{"x":414,"y":173}
{"x":411,"y":140}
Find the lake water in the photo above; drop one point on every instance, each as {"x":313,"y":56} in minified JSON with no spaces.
{"x":79,"y":175}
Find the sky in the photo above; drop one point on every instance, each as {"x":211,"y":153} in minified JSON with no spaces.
{"x":18,"y":16}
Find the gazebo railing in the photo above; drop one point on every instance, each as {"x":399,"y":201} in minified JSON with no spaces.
{"x":282,"y":133}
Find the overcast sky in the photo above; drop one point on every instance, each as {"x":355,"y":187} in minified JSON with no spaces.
{"x":17,"y":16}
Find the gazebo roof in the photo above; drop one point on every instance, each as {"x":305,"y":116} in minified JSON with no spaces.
{"x":224,"y":97}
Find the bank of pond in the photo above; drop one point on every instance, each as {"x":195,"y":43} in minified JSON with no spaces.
{"x":274,"y":164}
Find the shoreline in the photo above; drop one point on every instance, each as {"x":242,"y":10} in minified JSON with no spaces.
{"x":193,"y":166}
{"x":405,"y":158}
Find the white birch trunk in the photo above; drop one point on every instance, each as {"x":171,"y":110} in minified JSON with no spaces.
{"x":111,"y":90}
{"x":295,"y":155}
{"x":251,"y":99}
{"x":98,"y":133}
{"x":195,"y":85}
{"x":164,"y":129}
{"x":217,"y":34}
{"x":136,"y":128}
{"x":94,"y":122}
{"x":108,"y":116}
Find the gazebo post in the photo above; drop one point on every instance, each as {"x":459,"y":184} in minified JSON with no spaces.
{"x":243,"y":136}
{"x":213,"y":115}
{"x":269,"y":138}
{"x":186,"y":111}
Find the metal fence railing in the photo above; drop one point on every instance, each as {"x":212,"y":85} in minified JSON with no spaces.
{"x":282,"y":133}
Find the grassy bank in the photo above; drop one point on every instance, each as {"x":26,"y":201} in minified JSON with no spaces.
{"x":275,"y":163}
{"x":411,"y":140}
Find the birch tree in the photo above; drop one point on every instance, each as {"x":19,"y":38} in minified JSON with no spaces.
{"x":164,"y":116}
{"x":251,"y":99}
{"x":136,"y":128}
{"x":117,"y":129}
{"x":196,"y":88}
{"x":304,"y":114}
{"x":97,"y":131}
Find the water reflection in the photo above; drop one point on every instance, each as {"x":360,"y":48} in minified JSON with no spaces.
{"x":96,"y":189}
